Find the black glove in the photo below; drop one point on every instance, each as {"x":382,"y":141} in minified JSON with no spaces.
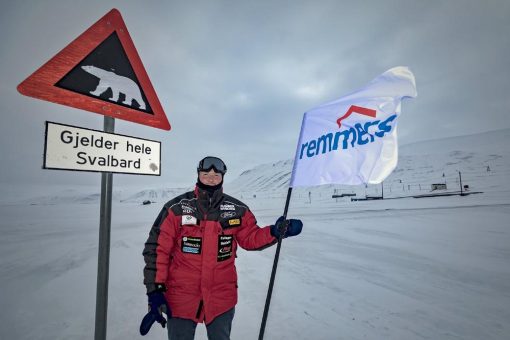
{"x":157,"y":306}
{"x":292,"y":227}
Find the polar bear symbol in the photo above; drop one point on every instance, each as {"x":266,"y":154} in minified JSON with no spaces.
{"x":118,"y":84}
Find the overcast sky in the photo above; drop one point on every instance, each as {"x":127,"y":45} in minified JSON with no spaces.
{"x":235,"y":77}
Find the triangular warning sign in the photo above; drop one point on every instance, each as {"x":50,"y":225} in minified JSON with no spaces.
{"x":100,"y":71}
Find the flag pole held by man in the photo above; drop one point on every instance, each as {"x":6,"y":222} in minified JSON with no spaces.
{"x":351,"y":140}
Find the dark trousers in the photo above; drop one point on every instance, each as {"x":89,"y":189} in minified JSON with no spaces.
{"x":184,"y":329}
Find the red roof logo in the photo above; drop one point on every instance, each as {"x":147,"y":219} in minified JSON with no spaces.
{"x":356,"y":109}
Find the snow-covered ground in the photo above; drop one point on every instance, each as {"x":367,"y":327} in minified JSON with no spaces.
{"x":408,"y":268}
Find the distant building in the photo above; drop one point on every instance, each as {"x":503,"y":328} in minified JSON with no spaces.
{"x":438,"y":186}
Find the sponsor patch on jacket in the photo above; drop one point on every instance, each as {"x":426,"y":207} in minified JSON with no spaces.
{"x":188,"y":219}
{"x":227,"y":214}
{"x":187,"y":209}
{"x":234,"y":222}
{"x":227,"y":207}
{"x":191,"y":245}
{"x":224,"y":247}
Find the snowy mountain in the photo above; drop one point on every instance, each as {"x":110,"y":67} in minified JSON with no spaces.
{"x":483,"y":160}
{"x":72,"y":195}
{"x":154,"y":195}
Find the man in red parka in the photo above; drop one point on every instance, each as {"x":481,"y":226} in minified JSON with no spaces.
{"x":190,"y":253}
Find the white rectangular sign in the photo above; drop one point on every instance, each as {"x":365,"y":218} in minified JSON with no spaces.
{"x":73,"y":148}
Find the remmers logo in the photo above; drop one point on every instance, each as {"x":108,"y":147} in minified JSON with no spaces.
{"x":359,"y":134}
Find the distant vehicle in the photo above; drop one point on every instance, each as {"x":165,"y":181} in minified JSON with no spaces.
{"x":438,"y":186}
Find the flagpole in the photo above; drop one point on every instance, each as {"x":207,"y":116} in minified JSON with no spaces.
{"x":275,"y":265}
{"x":280,"y":238}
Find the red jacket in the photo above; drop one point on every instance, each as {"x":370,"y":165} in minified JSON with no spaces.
{"x":192,"y":249}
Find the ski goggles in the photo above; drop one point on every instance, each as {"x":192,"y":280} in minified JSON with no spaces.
{"x":214,"y":163}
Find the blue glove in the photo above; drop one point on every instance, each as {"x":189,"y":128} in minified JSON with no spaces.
{"x":157,"y":306}
{"x":292,"y":227}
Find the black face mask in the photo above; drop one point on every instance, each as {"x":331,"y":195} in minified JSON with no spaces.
{"x":209,"y":188}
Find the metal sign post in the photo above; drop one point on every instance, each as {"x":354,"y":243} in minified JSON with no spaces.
{"x":100,"y":71}
{"x":103,"y":258}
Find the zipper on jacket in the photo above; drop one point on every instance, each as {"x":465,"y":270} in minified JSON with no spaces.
{"x":200,"y":306}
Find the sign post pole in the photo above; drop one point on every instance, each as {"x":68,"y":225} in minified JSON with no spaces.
{"x":100,"y":71}
{"x":103,"y":259}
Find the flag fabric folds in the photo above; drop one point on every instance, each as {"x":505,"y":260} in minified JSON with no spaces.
{"x":353,"y":140}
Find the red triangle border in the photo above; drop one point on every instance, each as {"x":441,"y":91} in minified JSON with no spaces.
{"x":41,"y":84}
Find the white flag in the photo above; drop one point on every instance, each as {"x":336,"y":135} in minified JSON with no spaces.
{"x":353,"y":140}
